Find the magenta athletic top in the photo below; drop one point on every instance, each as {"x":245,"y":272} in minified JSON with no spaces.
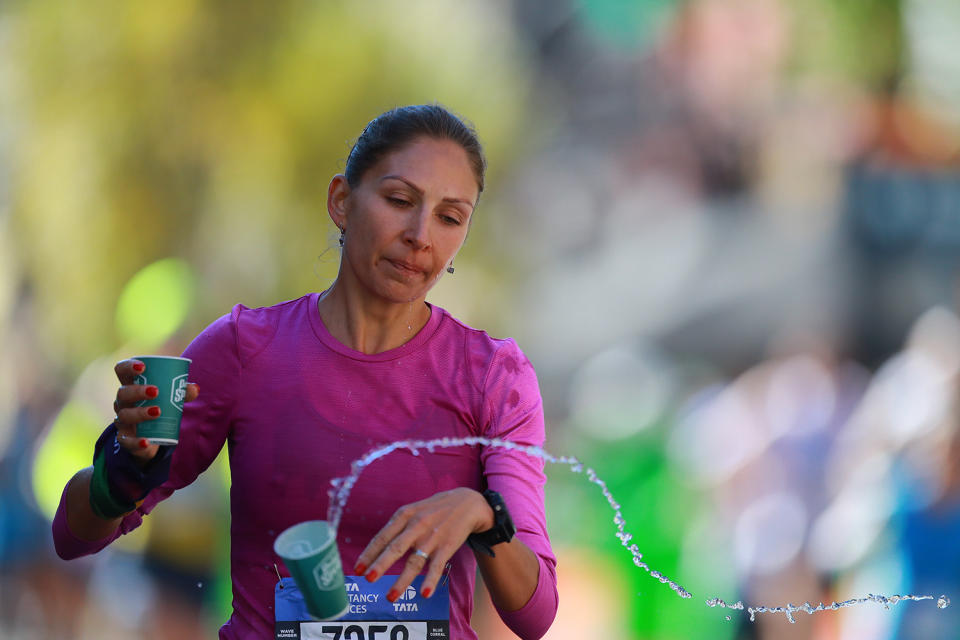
{"x":296,"y":407}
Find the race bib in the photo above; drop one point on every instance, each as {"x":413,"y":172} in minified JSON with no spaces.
{"x":370,"y":617}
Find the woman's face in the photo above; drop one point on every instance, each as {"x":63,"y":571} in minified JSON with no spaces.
{"x":406,"y":219}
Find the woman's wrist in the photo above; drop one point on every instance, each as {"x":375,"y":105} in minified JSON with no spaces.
{"x":485,"y":519}
{"x":121,"y":480}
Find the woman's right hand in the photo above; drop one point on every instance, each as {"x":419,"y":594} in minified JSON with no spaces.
{"x":129,"y":415}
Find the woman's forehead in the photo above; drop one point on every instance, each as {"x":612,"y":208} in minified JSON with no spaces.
{"x":431,"y":166}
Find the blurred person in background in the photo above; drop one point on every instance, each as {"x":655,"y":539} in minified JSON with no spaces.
{"x":928,"y":540}
{"x":929,"y":525}
{"x":301,"y":389}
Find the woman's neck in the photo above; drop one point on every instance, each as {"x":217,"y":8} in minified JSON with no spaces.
{"x":367,"y":324}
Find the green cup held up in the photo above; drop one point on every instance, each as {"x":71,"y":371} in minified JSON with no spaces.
{"x":169,"y":375}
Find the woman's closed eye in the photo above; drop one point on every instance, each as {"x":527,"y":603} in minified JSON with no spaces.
{"x":399,"y":202}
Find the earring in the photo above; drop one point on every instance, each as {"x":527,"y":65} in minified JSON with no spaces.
{"x":342,"y":232}
{"x":450,"y":268}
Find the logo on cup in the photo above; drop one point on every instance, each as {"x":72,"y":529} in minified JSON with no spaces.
{"x":141,"y":379}
{"x":327,"y":572}
{"x":179,"y":391}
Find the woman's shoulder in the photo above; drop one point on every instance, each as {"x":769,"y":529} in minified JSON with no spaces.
{"x":253,"y":317}
{"x":250,"y":329}
{"x":484,"y":353}
{"x":474,"y":339}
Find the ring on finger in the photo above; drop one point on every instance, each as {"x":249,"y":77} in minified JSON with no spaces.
{"x":422,"y":554}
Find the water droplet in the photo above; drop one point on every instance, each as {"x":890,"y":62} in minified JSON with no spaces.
{"x":728,"y":618}
{"x":943,"y":602}
{"x":199,"y":585}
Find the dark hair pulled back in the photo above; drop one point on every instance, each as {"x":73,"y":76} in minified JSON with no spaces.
{"x":398,"y":127}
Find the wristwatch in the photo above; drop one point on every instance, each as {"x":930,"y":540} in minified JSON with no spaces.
{"x":502,"y":530}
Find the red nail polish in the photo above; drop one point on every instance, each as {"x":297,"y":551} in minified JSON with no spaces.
{"x":152,"y":392}
{"x":360,"y":569}
{"x":153,"y":412}
{"x":138,"y":367}
{"x":392,"y":595}
{"x":426,"y":592}
{"x":372,"y":576}
{"x":143,"y":443}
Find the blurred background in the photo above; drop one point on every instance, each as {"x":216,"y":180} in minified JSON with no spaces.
{"x":726,"y":233}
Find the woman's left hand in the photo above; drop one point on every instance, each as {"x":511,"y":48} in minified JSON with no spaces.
{"x":436,"y":527}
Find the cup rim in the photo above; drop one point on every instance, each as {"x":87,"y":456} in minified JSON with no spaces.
{"x":336,"y":617}
{"x":288,"y":532}
{"x":161,"y":358}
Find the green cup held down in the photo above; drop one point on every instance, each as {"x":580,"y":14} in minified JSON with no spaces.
{"x":309,"y":551}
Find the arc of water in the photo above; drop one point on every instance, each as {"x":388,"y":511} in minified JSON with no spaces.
{"x":342,"y":486}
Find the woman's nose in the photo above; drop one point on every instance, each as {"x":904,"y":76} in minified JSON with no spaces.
{"x":417,"y":232}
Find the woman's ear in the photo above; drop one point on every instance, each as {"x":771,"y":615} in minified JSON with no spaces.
{"x":337,"y":194}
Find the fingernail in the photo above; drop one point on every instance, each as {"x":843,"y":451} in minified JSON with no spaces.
{"x":153,"y":412}
{"x":392,"y":595}
{"x":360,"y":569}
{"x":426,"y":592}
{"x":152,"y":391}
{"x":139,"y":367}
{"x":143,"y":443}
{"x":372,"y":576}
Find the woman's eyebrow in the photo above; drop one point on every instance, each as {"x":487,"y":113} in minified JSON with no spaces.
{"x":420,"y":191}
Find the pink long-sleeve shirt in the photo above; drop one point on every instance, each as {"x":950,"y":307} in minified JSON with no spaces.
{"x":295,"y":407}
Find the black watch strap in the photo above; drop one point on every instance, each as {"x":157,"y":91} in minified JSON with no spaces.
{"x":502,"y":530}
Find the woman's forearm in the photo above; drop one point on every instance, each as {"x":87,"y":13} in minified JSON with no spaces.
{"x":81,"y":520}
{"x":511,"y":577}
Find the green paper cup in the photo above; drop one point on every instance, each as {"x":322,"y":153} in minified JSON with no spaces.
{"x":169,"y":375}
{"x":309,"y":550}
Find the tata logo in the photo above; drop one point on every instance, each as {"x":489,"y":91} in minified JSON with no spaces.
{"x":409,"y":594}
{"x":327,"y":573}
{"x":178,"y":391}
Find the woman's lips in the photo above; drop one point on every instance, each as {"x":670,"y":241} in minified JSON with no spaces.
{"x":405,"y":267}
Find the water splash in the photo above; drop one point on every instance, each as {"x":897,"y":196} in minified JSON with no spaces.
{"x":342,"y":486}
{"x":717,"y":602}
{"x":806,"y":607}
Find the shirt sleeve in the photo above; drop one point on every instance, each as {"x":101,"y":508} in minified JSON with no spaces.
{"x":215,"y":367}
{"x":513,"y":410}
